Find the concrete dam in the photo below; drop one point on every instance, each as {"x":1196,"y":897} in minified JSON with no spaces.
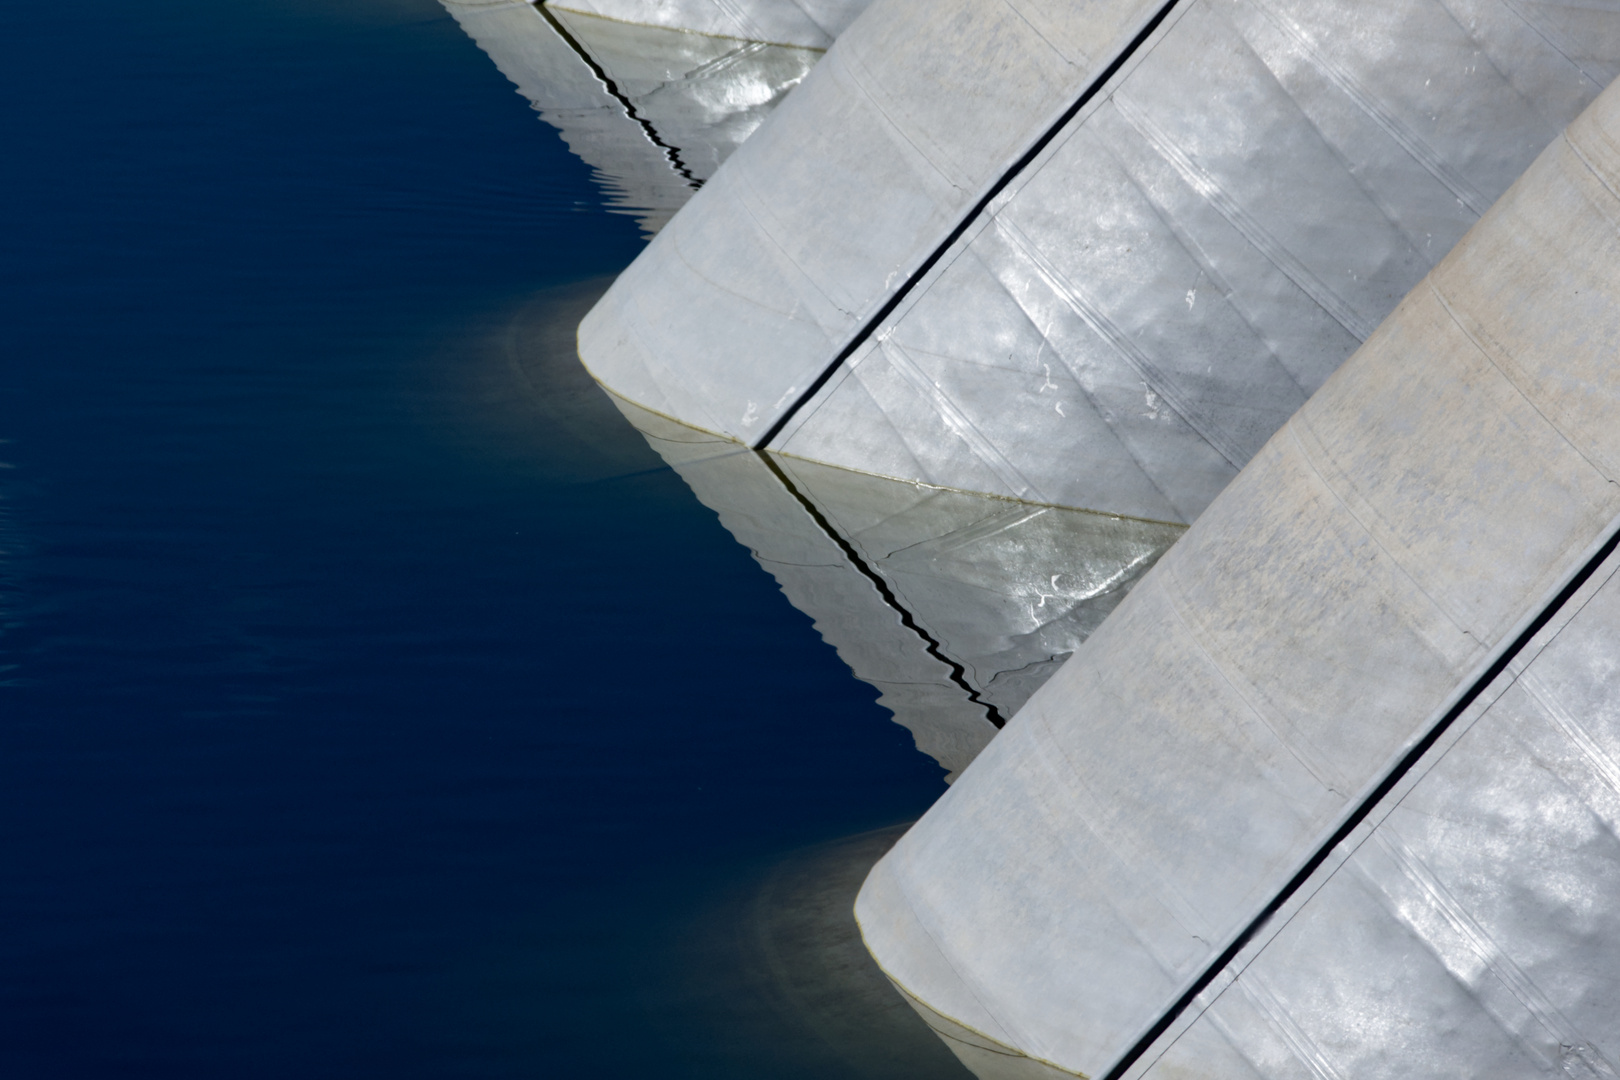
{"x":963,"y":336}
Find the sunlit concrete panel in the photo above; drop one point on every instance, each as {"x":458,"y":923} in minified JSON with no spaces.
{"x":813,"y":24}
{"x":653,"y":111}
{"x":1357,"y":579}
{"x":1198,"y":252}
{"x":1474,"y":931}
{"x":1146,"y":303}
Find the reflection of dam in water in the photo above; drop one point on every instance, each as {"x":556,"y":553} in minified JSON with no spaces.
{"x":956,"y":607}
{"x":652,"y":110}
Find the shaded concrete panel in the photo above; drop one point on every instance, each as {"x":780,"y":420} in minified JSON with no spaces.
{"x":1378,"y":555}
{"x":653,"y":111}
{"x":812,"y":24}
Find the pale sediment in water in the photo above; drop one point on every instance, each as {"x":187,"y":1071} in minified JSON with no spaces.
{"x":771,"y":978}
{"x":511,"y":380}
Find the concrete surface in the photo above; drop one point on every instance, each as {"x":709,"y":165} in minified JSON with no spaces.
{"x":1285,"y":717}
{"x":1135,"y":313}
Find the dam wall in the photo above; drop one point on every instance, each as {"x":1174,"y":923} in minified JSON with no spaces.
{"x":955,"y":606}
{"x":1089,"y":255}
{"x":1335,"y":791}
{"x":1004,"y":296}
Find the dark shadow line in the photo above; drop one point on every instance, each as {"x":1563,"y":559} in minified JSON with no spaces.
{"x":1366,"y":807}
{"x":670,"y":152}
{"x":1007,"y":177}
{"x":933,"y":648}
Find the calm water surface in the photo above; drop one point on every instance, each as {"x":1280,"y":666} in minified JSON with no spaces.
{"x":371,"y":707}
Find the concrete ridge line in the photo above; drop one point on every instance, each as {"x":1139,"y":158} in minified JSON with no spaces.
{"x":1406,"y":763}
{"x":1010,"y":174}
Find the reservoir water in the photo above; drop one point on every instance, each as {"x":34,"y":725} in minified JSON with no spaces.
{"x":373,"y":703}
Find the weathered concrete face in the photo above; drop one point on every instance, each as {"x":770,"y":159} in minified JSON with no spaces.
{"x":811,"y":24}
{"x":956,"y":607}
{"x":1352,"y":742}
{"x":1474,"y":930}
{"x":653,"y":111}
{"x":1138,"y":310}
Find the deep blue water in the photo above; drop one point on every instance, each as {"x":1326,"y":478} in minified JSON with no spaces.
{"x":362,"y":715}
